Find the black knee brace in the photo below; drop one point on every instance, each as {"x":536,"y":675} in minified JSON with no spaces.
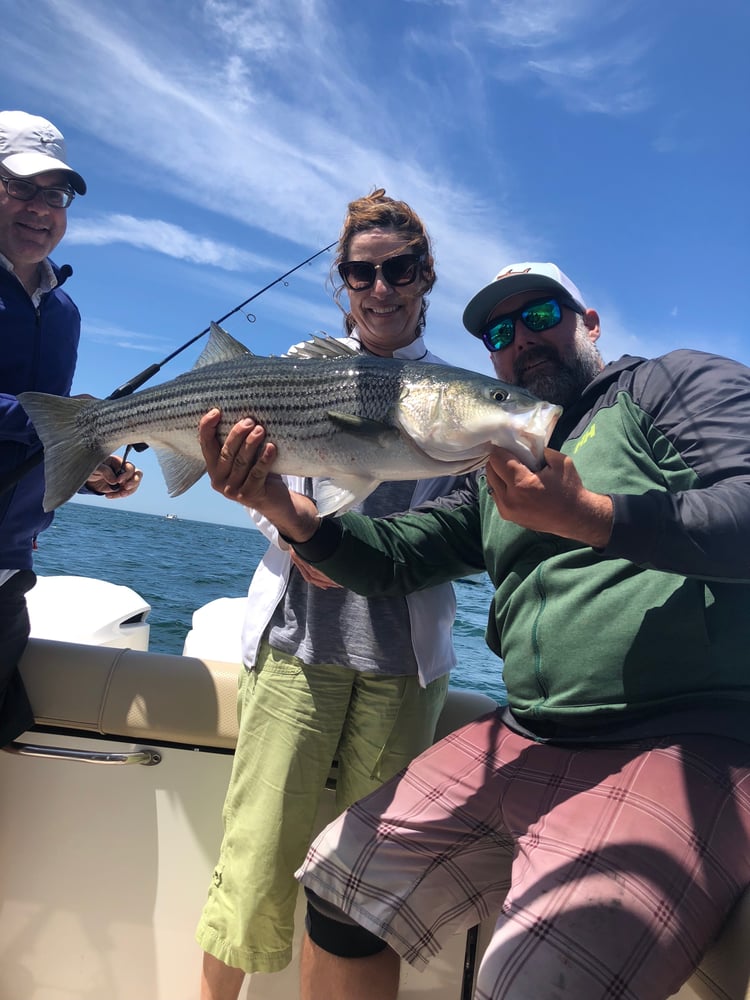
{"x":335,"y":932}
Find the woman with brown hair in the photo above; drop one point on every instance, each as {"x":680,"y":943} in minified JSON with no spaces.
{"x":328,"y":674}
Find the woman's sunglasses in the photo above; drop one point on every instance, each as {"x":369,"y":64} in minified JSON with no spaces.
{"x":536,"y":316}
{"x":396,"y":271}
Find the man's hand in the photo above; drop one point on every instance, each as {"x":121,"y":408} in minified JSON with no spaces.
{"x":115,"y":479}
{"x":552,"y":500}
{"x":240,"y":469}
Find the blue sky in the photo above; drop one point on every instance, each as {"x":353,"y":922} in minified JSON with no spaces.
{"x":221,"y":142}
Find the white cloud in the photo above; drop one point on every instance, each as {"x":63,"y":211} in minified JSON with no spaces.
{"x":274,"y":117}
{"x":529,"y":23}
{"x":162,"y":237}
{"x":577,"y":51}
{"x":109,"y":333}
{"x":272,"y":103}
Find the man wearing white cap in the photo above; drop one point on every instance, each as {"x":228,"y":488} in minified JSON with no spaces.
{"x":540,"y":335}
{"x":604,"y":813}
{"x":40,"y":328}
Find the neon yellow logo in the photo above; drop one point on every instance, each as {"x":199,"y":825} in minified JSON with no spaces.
{"x":591,"y":432}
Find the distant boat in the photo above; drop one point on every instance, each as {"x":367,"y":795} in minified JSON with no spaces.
{"x":172,"y":517}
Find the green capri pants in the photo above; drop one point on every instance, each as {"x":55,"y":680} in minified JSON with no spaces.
{"x":294,"y":719}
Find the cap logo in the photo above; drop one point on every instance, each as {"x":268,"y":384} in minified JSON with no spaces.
{"x":507,"y":274}
{"x":47,"y":136}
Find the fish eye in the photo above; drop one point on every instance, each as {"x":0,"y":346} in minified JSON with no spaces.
{"x":499,"y":395}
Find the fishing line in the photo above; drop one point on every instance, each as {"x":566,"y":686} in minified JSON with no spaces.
{"x":138,"y":380}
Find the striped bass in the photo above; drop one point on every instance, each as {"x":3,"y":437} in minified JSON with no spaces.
{"x":349,"y":418}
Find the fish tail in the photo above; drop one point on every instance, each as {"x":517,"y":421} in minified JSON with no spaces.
{"x":69,"y":460}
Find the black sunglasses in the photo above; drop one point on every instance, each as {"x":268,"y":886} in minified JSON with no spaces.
{"x":54,"y":197}
{"x":543,"y":314}
{"x":403,"y":269}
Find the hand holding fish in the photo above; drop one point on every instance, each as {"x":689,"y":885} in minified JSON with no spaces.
{"x":240,"y":469}
{"x":553,"y":499}
{"x":115,"y":479}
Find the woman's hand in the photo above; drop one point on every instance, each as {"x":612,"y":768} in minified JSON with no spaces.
{"x":312,"y":575}
{"x":240,"y":469}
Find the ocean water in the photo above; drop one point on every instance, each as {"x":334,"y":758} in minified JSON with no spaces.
{"x":180,"y":565}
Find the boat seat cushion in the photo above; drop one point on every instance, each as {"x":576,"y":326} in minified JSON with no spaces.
{"x":132,"y":694}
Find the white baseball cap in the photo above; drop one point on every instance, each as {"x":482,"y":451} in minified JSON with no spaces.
{"x":527,"y":277}
{"x":31,"y":145}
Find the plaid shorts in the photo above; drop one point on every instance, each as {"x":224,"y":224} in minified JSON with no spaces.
{"x":611,"y":867}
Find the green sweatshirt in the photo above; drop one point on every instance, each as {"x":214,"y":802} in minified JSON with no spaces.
{"x":650,"y":633}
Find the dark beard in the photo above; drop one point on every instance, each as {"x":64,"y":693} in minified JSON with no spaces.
{"x":565,"y":379}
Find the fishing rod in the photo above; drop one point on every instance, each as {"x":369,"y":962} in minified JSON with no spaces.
{"x":138,"y":380}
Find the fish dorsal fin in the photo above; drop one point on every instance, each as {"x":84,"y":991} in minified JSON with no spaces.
{"x":322,"y":347}
{"x":335,"y":496}
{"x":362,"y":426}
{"x":221,"y":346}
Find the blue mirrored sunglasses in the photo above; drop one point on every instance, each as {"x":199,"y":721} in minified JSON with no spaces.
{"x":543,"y":314}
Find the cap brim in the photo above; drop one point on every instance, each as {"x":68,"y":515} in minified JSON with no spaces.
{"x":479,"y":308}
{"x":31,"y":164}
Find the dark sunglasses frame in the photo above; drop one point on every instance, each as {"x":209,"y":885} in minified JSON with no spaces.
{"x":61,"y":196}
{"x":403,"y":269}
{"x":501,"y":330}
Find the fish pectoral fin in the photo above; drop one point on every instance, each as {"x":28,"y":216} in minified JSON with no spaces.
{"x":354,"y":424}
{"x":180,"y":471}
{"x":335,"y":496}
{"x":221,"y":346}
{"x":321,"y":347}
